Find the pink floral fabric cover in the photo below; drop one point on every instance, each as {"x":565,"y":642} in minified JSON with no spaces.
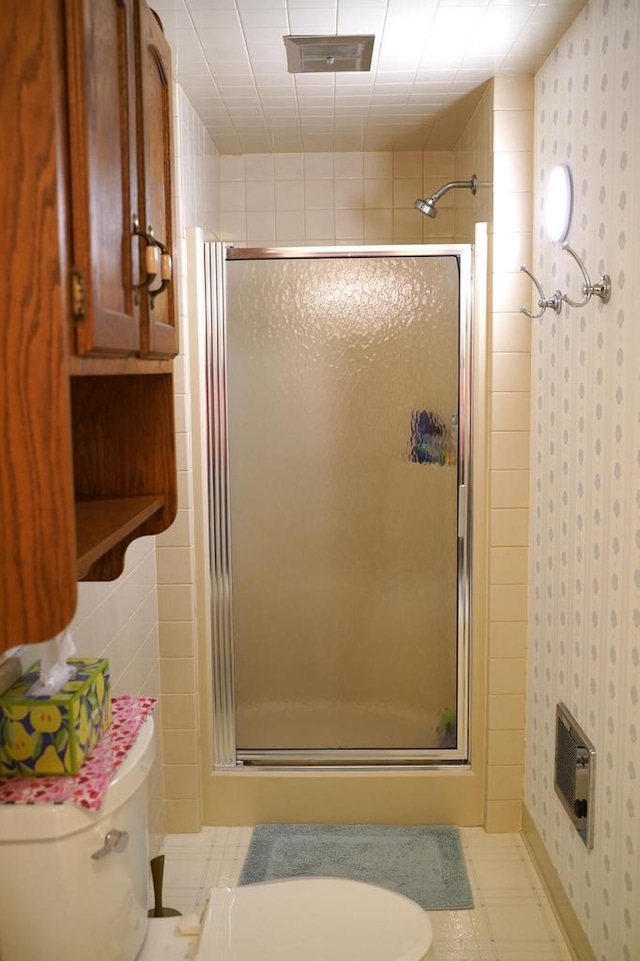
{"x":88,"y":787}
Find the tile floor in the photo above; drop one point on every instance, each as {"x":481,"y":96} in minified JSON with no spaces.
{"x":511,"y":920}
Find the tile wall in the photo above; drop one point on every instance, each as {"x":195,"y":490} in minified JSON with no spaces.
{"x":326,"y":199}
{"x":119,"y":620}
{"x":508,"y":436}
{"x":197,"y":171}
{"x":584,"y":645}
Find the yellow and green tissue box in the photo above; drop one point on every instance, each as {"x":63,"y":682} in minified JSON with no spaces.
{"x":54,"y":734}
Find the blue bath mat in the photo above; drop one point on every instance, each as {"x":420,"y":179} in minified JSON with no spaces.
{"x":423,"y":863}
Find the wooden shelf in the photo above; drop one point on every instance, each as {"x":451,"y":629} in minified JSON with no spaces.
{"x":103,"y":524}
{"x":116,"y":366}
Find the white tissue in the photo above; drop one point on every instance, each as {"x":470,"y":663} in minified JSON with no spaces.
{"x":54,"y":670}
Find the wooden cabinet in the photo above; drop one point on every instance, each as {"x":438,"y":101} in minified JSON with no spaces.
{"x":100,"y":82}
{"x":87,"y":461}
{"x":119,"y":117}
{"x":159,"y":334}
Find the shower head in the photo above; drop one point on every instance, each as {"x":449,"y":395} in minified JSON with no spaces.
{"x":428,"y":205}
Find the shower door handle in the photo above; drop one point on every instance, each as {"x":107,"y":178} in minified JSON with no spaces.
{"x":462,"y":509}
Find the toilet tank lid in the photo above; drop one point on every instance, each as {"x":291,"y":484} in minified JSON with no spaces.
{"x":21,"y":823}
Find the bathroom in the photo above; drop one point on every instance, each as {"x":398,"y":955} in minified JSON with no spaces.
{"x":557,"y":569}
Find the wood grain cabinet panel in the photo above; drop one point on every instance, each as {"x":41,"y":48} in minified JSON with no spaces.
{"x":88,"y":459}
{"x":103,"y":157}
{"x":159,"y":332}
{"x":37,"y":538}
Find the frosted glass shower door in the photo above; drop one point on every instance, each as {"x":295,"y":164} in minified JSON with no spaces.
{"x":343,"y":411}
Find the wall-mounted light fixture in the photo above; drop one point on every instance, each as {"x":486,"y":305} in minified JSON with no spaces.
{"x":557,"y":218}
{"x":558,"y":203}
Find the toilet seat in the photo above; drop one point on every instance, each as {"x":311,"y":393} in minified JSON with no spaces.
{"x":314,"y":919}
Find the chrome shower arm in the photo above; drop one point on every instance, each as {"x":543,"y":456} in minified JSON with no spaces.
{"x":471,"y":185}
{"x":428,"y":205}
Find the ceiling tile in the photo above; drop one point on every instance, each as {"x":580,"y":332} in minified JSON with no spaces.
{"x":430,"y":59}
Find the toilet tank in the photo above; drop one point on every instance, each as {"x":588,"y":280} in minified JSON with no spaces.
{"x":57,"y":903}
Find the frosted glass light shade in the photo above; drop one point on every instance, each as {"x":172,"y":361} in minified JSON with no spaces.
{"x":558,"y":203}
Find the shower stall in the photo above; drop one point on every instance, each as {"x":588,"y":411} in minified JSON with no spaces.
{"x":339,"y":463}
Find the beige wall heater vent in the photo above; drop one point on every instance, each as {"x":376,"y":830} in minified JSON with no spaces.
{"x":574,"y":773}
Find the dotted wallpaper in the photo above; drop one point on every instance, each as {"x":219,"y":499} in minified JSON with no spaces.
{"x":584,"y":646}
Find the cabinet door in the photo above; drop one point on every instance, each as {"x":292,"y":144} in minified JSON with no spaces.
{"x":158,"y":321}
{"x":101,"y":96}
{"x":37,"y":542}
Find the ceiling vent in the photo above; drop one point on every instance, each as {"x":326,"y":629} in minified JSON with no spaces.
{"x":329,"y":54}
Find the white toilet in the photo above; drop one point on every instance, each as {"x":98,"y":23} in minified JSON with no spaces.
{"x":58,"y":903}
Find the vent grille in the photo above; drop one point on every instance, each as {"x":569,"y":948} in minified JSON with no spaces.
{"x":574,"y":773}
{"x":329,"y":54}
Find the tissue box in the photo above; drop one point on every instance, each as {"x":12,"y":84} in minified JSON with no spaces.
{"x":54,"y":734}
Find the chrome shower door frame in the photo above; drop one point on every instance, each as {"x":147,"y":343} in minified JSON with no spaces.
{"x":226,"y":755}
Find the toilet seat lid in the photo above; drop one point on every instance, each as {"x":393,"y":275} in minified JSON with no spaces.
{"x":314,"y":919}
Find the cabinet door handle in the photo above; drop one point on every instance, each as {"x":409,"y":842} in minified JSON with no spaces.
{"x":166,"y":271}
{"x":157,"y":261}
{"x":152,"y":254}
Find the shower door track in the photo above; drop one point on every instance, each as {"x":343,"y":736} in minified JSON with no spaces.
{"x":227,"y":755}
{"x":366,"y":760}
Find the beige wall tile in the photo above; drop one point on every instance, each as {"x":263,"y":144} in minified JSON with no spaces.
{"x":508,"y":602}
{"x":378,"y":163}
{"x":503,"y":816}
{"x":511,"y":291}
{"x":508,"y":639}
{"x":514,"y":212}
{"x":178,"y":675}
{"x":508,"y":565}
{"x":407,"y":163}
{"x":179,"y":712}
{"x":512,"y":173}
{"x":505,"y":782}
{"x":181,"y":747}
{"x":378,"y":225}
{"x":510,"y":450}
{"x":176,"y":602}
{"x":513,"y":93}
{"x":174,"y":565}
{"x":505,"y":747}
{"x":507,"y":675}
{"x":510,"y":330}
{"x":182,"y":817}
{"x":177,"y":639}
{"x":509,"y":488}
{"x":180,"y":534}
{"x":512,"y":130}
{"x":510,"y":372}
{"x":509,"y":528}
{"x":348,"y":194}
{"x":510,"y":410}
{"x":180,"y":781}
{"x":510,"y":250}
{"x":506,"y":712}
{"x":378,"y":194}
